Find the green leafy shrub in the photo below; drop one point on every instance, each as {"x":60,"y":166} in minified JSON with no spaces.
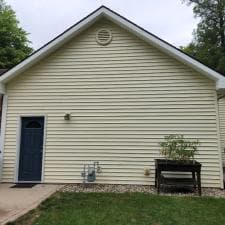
{"x":176,"y":147}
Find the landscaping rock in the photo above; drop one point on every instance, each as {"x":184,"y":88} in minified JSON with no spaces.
{"x":118,"y":188}
{"x":108,"y":188}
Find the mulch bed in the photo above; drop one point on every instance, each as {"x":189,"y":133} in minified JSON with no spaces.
{"x":111,"y":188}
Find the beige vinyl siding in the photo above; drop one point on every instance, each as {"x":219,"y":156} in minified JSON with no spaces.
{"x":123,"y":98}
{"x":221,"y":104}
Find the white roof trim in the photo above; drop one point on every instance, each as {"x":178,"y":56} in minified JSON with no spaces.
{"x":141,"y":33}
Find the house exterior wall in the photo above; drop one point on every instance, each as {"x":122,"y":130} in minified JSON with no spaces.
{"x":1,"y":96}
{"x":123,"y":98}
{"x":221,"y":106}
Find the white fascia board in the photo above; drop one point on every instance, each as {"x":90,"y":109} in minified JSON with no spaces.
{"x":166,"y":48}
{"x":51,"y":47}
{"x":220,"y":85}
{"x":127,"y":25}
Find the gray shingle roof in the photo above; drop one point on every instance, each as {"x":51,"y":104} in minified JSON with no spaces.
{"x":2,"y":71}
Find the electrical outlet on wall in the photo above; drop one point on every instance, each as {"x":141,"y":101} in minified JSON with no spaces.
{"x":147,"y":171}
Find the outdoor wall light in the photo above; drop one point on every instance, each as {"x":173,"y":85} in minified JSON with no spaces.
{"x":67,"y":116}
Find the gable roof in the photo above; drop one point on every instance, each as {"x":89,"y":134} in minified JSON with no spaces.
{"x":127,"y":25}
{"x":2,"y":71}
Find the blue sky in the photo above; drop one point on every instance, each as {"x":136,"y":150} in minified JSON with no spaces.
{"x":44,"y":19}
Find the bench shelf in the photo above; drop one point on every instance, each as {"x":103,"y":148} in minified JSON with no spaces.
{"x":191,"y":166}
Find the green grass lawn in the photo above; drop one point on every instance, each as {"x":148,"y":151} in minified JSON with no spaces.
{"x":125,"y":209}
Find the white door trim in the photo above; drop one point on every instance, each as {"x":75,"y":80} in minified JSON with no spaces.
{"x":18,"y":139}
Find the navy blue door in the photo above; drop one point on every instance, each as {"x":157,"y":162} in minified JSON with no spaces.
{"x":31,"y":147}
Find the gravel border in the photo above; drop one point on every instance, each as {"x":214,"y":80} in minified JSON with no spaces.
{"x":119,"y":188}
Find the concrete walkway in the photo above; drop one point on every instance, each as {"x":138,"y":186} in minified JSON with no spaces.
{"x":15,"y":202}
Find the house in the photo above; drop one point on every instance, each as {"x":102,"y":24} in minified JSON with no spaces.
{"x":107,"y":90}
{"x":1,"y":72}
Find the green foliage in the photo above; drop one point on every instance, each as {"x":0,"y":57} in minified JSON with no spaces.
{"x":208,"y":45}
{"x":177,"y":148}
{"x":14,"y":45}
{"x":125,"y":209}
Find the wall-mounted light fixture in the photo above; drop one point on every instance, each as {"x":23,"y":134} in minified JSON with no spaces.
{"x":67,"y":116}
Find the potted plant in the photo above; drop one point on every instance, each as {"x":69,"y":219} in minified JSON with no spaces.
{"x":178,"y":149}
{"x":179,"y":157}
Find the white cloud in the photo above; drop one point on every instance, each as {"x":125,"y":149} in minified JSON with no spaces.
{"x":45,"y":19}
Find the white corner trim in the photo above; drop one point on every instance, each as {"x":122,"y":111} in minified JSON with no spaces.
{"x":220,"y":84}
{"x":3,"y":128}
{"x":126,"y":24}
{"x":219,"y":143}
{"x":2,"y":88}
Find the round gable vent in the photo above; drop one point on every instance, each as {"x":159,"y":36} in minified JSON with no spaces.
{"x":104,"y":36}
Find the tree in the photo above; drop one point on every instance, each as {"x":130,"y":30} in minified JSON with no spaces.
{"x":208,"y":44}
{"x":14,"y":45}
